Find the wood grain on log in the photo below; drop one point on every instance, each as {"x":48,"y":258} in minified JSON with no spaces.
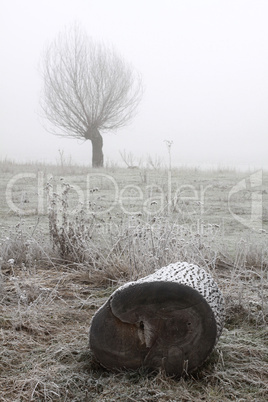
{"x":171,"y":319}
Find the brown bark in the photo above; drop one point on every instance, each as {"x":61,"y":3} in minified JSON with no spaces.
{"x":159,"y":323}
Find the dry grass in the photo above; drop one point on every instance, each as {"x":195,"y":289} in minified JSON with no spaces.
{"x":49,"y":294}
{"x":45,"y":319}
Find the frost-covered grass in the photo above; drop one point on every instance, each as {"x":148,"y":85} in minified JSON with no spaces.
{"x":61,"y":261}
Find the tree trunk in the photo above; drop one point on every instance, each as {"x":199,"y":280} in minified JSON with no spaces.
{"x":171,"y":319}
{"x":95,"y":137}
{"x":97,"y":154}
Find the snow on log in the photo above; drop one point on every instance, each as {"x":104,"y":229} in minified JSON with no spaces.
{"x":171,"y":319}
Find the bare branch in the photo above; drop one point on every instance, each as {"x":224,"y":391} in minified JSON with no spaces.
{"x":87,"y":86}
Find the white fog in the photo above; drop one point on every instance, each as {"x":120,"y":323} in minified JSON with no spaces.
{"x":204,"y":68}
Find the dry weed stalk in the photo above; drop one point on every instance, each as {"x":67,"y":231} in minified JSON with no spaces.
{"x":69,"y":237}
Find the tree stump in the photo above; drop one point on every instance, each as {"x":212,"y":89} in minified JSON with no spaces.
{"x":171,"y":319}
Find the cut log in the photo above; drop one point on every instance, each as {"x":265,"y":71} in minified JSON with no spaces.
{"x":171,"y":319}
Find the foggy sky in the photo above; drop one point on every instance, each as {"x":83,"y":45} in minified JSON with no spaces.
{"x":204,"y":66}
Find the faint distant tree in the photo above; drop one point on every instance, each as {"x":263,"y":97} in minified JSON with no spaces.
{"x":87,"y":89}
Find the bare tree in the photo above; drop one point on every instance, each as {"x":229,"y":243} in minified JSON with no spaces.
{"x":88,"y":88}
{"x":128,"y":158}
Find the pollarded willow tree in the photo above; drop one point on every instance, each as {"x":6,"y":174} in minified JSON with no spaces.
{"x":87,"y":89}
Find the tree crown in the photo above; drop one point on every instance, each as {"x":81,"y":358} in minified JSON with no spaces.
{"x":87,"y":86}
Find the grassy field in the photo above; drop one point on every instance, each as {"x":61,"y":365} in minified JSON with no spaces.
{"x":71,"y":235}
